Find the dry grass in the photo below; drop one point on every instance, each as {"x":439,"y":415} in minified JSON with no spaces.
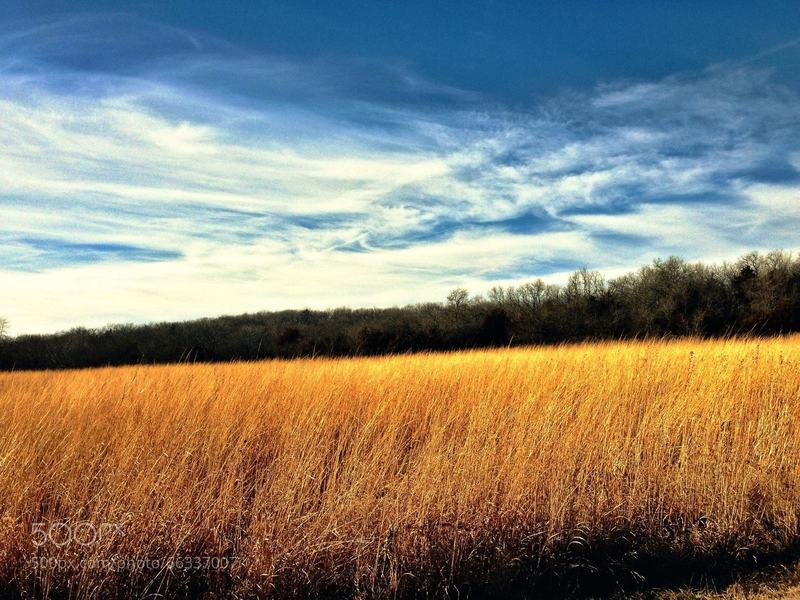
{"x":463,"y":472}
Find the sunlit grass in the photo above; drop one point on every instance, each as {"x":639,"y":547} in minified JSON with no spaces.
{"x":400,"y":474}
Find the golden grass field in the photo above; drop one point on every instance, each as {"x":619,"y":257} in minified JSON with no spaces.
{"x":463,"y":473}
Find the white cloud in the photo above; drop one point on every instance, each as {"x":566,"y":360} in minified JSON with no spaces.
{"x":319,"y":194}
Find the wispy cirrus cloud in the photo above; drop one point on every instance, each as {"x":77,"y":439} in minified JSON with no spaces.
{"x":180,"y":177}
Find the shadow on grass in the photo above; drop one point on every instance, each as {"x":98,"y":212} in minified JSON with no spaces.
{"x":642,"y":577}
{"x":603,"y":573}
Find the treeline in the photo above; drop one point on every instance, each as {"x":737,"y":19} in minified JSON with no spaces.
{"x":758,"y":294}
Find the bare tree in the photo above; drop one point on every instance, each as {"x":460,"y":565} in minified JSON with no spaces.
{"x":499,"y":294}
{"x":457,"y":301}
{"x":3,"y":326}
{"x":458,"y":298}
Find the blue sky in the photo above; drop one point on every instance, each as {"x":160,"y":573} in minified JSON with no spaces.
{"x":177,"y":160}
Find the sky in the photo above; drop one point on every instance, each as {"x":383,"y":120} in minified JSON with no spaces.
{"x":176,"y":160}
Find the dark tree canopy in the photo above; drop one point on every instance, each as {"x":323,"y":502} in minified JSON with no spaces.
{"x":759,"y":295}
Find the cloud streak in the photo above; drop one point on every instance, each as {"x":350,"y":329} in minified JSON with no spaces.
{"x":189,"y":179}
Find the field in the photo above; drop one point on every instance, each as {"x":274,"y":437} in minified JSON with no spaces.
{"x":585,"y":468}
